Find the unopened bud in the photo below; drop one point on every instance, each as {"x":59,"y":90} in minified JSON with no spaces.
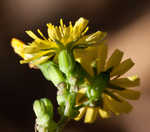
{"x":42,"y":108}
{"x":51,"y":72}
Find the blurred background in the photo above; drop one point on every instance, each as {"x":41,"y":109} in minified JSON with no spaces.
{"x":128,"y":26}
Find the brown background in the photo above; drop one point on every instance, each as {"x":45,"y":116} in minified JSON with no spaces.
{"x":128,"y":26}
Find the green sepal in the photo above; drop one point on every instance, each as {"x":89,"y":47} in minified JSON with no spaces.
{"x":51,"y":72}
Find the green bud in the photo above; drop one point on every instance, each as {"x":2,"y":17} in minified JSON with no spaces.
{"x":43,"y":108}
{"x":51,"y":72}
{"x":66,"y":62}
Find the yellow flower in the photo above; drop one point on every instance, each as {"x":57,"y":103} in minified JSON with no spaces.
{"x":117,"y":90}
{"x":59,"y":37}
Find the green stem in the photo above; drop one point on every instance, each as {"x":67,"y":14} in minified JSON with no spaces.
{"x":61,"y":124}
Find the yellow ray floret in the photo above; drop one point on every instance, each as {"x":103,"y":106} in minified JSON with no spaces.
{"x":91,"y":114}
{"x":131,"y":81}
{"x":36,"y":58}
{"x":115,"y":106}
{"x":18,"y":47}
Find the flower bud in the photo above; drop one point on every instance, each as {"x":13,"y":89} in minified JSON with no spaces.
{"x":66,"y":62}
{"x":51,"y":72}
{"x":43,"y":109}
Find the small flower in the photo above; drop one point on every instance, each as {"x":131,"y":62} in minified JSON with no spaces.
{"x":59,"y":37}
{"x":52,"y":73}
{"x":111,"y":90}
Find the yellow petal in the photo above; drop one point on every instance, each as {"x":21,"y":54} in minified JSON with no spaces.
{"x":132,"y":81}
{"x":80,"y":98}
{"x":129,"y":94}
{"x":103,"y":113}
{"x":41,"y":60}
{"x":31,"y":49}
{"x":32,"y":35}
{"x":51,"y":31}
{"x":18,"y":46}
{"x":84,"y":32}
{"x":94,"y":36}
{"x":58,"y":34}
{"x":35,"y":47}
{"x":115,"y":59}
{"x":42,"y":35}
{"x":91,"y":115}
{"x":86,"y":57}
{"x":115,"y":106}
{"x":102,"y":55}
{"x":122,"y":68}
{"x":81,"y":114}
{"x":80,"y":25}
{"x":37,"y":56}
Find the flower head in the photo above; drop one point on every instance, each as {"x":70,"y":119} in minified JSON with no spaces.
{"x":107,"y":88}
{"x":59,"y":37}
